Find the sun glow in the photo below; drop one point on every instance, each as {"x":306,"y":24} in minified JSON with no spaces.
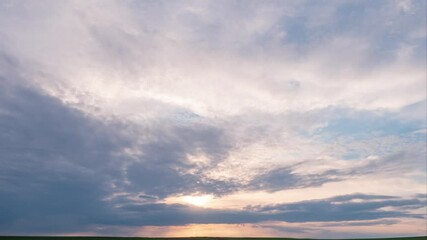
{"x":198,"y":200}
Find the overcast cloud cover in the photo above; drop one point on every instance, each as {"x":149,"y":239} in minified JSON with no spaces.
{"x":290,"y":118}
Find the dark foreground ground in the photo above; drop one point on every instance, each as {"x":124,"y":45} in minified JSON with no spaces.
{"x":193,"y":238}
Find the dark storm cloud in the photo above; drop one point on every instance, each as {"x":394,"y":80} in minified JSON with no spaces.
{"x":58,"y":164}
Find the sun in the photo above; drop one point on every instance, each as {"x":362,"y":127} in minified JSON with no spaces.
{"x":199,"y":201}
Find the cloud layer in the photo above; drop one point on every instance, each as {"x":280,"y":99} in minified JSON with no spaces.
{"x":112,"y":112}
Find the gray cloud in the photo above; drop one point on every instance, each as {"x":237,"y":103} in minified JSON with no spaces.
{"x":277,"y":179}
{"x":59,"y":164}
{"x":285,"y":178}
{"x":56,"y":163}
{"x":341,"y":208}
{"x":364,"y":223}
{"x":336,"y":209}
{"x":58,"y":167}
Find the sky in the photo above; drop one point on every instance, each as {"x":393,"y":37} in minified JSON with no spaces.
{"x":213,"y":118}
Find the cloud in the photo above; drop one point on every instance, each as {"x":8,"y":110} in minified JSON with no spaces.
{"x":108,"y":108}
{"x":283,"y":178}
{"x":341,"y":208}
{"x":57,"y":163}
{"x":55,"y":157}
{"x":336,"y":209}
{"x":116,"y":50}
